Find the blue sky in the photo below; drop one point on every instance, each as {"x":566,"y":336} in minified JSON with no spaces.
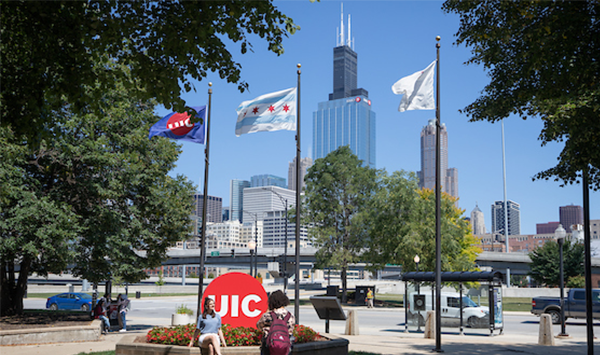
{"x":393,"y":39}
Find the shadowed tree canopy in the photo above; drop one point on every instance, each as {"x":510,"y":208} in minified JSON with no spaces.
{"x":48,"y":50}
{"x":545,"y":262}
{"x":542,"y":60}
{"x":95,"y":195}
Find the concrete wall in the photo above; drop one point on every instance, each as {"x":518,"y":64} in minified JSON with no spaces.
{"x":51,"y":335}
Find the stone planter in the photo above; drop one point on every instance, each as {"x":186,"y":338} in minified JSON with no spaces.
{"x":182,"y":319}
{"x":128,"y":346}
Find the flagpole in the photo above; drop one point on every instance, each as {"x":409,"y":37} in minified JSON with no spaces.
{"x":204,"y":206}
{"x":298,"y":204}
{"x":438,"y":225}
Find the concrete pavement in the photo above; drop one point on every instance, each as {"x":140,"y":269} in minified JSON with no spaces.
{"x":384,"y":342}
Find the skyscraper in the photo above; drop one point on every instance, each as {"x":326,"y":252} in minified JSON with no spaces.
{"x":346,"y":119}
{"x":267,"y":180}
{"x":236,"y":199}
{"x":449,"y":177}
{"x":305,"y":163}
{"x":477,"y":221}
{"x":214,"y":212}
{"x":570,"y":215}
{"x":514,"y":217}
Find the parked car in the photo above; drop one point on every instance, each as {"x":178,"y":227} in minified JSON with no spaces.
{"x":70,"y":300}
{"x":574,"y":305}
{"x":474,"y":315}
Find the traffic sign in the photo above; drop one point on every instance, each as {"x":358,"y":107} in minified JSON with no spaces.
{"x":214,"y":253}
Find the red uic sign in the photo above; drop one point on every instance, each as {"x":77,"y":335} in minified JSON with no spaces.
{"x":240,"y":299}
{"x":179,"y":124}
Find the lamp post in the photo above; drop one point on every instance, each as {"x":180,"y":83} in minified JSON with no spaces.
{"x":251,"y":246}
{"x":285,"y":202}
{"x":417,"y":259}
{"x":254,"y":245}
{"x":560,"y":233}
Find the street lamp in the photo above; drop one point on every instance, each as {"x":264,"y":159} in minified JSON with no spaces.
{"x":254,"y":245}
{"x":417,"y":259}
{"x":560,"y":233}
{"x":251,"y":246}
{"x":285,"y":202}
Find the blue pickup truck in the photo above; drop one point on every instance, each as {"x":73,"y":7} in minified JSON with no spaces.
{"x":574,"y":305}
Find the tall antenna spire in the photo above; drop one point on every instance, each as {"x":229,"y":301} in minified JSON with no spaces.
{"x":342,"y":27}
{"x":349,"y":39}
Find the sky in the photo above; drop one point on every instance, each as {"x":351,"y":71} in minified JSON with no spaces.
{"x":393,"y":39}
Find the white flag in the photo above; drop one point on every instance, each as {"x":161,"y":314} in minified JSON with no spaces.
{"x":417,"y":90}
{"x":270,"y":112}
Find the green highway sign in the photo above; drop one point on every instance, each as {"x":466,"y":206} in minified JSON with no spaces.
{"x":214,"y":253}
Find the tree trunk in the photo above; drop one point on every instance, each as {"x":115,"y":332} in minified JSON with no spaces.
{"x":12,"y":292}
{"x":344,"y":285}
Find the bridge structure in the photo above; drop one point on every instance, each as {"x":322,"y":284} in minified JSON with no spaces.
{"x":506,"y":263}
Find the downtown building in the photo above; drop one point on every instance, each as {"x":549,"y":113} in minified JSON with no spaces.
{"x":346,"y":119}
{"x":569,"y":216}
{"x":449,"y":176}
{"x":236,"y":199}
{"x":514,"y":217}
{"x":214,"y":205}
{"x":477,"y":221}
{"x":305,"y":164}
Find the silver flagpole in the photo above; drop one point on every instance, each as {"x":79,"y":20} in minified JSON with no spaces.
{"x":298,"y":204}
{"x":438,"y":224}
{"x":204,"y":206}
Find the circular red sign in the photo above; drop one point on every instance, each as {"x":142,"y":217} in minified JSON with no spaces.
{"x":239,"y":298}
{"x":179,"y":124}
{"x":357,"y":99}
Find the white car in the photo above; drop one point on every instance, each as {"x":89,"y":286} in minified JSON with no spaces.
{"x":473,"y":315}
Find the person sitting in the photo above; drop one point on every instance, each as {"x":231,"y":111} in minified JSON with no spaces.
{"x":209,"y":326}
{"x":100,"y":313}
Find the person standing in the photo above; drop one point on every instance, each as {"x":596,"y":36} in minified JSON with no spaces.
{"x":209,"y":327}
{"x":370,"y":298}
{"x":277,"y":303}
{"x":122,"y":305}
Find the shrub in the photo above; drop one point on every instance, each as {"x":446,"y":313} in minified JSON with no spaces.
{"x":234,"y":336}
{"x":183,"y":309}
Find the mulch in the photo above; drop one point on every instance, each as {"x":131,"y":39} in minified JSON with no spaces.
{"x":30,"y":320}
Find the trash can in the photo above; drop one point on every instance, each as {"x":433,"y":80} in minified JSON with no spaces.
{"x":138,"y":294}
{"x":360,"y":297}
{"x":333,"y":290}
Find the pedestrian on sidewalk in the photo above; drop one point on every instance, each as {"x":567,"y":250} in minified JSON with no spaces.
{"x":370,"y":298}
{"x":209,"y":327}
{"x":122,"y":306}
{"x":277,"y":303}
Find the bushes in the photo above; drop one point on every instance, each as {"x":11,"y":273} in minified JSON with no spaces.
{"x":234,"y":336}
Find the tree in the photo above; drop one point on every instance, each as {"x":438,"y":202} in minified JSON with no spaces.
{"x":545,"y":263}
{"x":337,"y":188}
{"x":402,"y":222}
{"x":94,"y":193}
{"x":48,"y":50}
{"x":542,"y":58}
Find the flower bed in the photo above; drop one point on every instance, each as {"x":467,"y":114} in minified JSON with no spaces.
{"x":234,"y":336}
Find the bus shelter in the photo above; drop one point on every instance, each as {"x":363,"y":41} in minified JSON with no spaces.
{"x":456,"y":308}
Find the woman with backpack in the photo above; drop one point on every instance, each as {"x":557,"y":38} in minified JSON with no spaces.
{"x":209,"y":327}
{"x":277,"y":325}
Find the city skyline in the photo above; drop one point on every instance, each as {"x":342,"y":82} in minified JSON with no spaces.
{"x":389,"y":49}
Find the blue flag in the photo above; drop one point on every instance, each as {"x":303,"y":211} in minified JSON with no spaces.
{"x":178,"y":126}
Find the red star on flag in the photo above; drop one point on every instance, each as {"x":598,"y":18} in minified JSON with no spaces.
{"x":286,"y":108}
{"x":271,"y":108}
{"x":255,"y":110}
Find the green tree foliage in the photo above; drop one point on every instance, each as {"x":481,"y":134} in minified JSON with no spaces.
{"x":542,"y":58}
{"x":401,"y":222}
{"x":94,"y":193}
{"x":48,"y":50}
{"x":337,"y":189}
{"x":545,"y":263}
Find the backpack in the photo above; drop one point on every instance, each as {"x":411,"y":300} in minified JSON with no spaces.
{"x":278,"y":339}
{"x":97,"y":311}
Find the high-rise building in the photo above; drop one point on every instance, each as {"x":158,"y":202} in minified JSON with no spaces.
{"x":449,"y":177}
{"x":514,"y":217}
{"x":267,"y":180}
{"x":570,"y":215}
{"x":546,"y":228}
{"x":275,"y":235}
{"x":236,"y":199}
{"x":260,"y":200}
{"x":214,"y":213}
{"x":305,"y":163}
{"x":346,"y":119}
{"x":477,"y":221}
